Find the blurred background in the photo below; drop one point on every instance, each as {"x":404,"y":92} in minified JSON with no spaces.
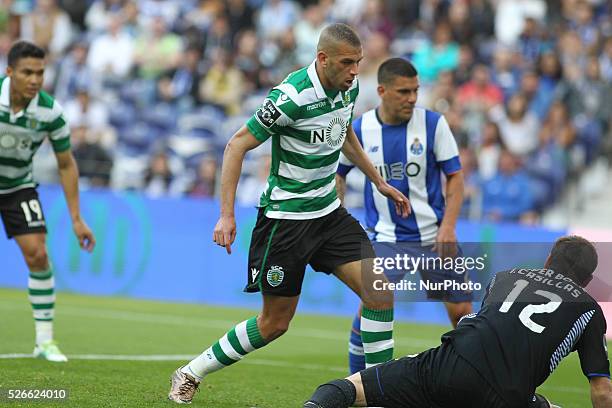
{"x":153,"y":89}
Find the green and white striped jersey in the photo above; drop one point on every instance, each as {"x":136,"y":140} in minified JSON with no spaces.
{"x":21,"y":135}
{"x":308,"y":126}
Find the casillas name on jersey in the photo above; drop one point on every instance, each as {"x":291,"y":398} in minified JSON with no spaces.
{"x":411,"y":157}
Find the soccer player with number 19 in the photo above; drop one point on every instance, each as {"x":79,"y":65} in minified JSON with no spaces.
{"x":28,"y":115}
{"x":300,"y":222}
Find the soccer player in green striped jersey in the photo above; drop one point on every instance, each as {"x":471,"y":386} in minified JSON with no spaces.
{"x":28,"y":115}
{"x":300,"y":222}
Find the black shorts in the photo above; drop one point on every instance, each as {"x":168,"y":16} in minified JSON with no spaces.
{"x":438,"y":377}
{"x":281,"y":249}
{"x":22,"y":213}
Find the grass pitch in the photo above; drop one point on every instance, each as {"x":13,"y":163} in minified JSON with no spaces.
{"x":122,"y":352}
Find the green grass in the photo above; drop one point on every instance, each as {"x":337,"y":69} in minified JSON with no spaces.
{"x":283,"y":374}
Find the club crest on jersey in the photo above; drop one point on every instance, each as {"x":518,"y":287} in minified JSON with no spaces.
{"x":32,"y":123}
{"x":416,"y":147}
{"x":346,"y":100}
{"x":275,"y":275}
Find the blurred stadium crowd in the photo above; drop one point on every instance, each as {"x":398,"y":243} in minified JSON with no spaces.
{"x":153,"y":89}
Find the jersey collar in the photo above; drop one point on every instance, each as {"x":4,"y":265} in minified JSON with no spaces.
{"x":5,"y":98}
{"x":316,"y":82}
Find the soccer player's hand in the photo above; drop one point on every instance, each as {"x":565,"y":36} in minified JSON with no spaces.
{"x":225,"y":232}
{"x":446,"y":242}
{"x":87,"y":241}
{"x":402,"y":204}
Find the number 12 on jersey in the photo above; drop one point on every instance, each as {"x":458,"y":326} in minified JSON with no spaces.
{"x":529,"y":310}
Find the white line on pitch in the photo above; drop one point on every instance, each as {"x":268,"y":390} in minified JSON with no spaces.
{"x":179,"y":357}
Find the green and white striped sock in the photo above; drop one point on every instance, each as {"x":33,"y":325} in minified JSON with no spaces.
{"x":41,"y":293}
{"x":229,"y":349}
{"x":377,"y":335}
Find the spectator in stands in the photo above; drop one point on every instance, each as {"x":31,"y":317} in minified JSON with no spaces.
{"x":94,"y":162}
{"x":285,"y":58}
{"x":505,"y":73}
{"x":181,"y":84}
{"x":459,"y":19}
{"x":490,"y":149}
{"x":131,"y":13}
{"x":463,"y":72}
{"x":548,"y":165}
{"x":571,"y":49}
{"x":507,"y":196}
{"x":583,"y":22}
{"x":168,"y":10}
{"x":217,"y":36}
{"x":531,"y":42}
{"x":48,"y":26}
{"x":511,"y":16}
{"x":247,"y":61}
{"x":100,"y":14}
{"x":203,"y":14}
{"x":276,"y":17}
{"x":73,"y":73}
{"x":159,"y":178}
{"x":478,"y":96}
{"x":482,"y":20}
{"x":223,"y":84}
{"x":441,"y":54}
{"x":455,"y":117}
{"x":5,"y":8}
{"x":376,"y":50}
{"x":538,"y":97}
{"x":518,"y":127}
{"x":471,"y":182}
{"x":204,"y":186}
{"x":307,"y":31}
{"x":111,"y":55}
{"x":442,"y":95}
{"x":5,"y":45}
{"x":82,"y":111}
{"x":374,"y":19}
{"x":240,"y":16}
{"x":605,"y":61}
{"x":157,"y":50}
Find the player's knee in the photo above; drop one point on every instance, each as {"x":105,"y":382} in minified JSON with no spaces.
{"x":271,"y":328}
{"x":334,"y":394}
{"x":37,"y":257}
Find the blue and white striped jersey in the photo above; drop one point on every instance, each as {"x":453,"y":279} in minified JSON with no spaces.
{"x":411,"y":157}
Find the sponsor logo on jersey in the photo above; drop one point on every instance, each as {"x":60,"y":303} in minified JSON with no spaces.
{"x":316,"y":105}
{"x":373,"y":149}
{"x":398,"y":170}
{"x":275,"y":275}
{"x":267,"y":114}
{"x":335,"y":132}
